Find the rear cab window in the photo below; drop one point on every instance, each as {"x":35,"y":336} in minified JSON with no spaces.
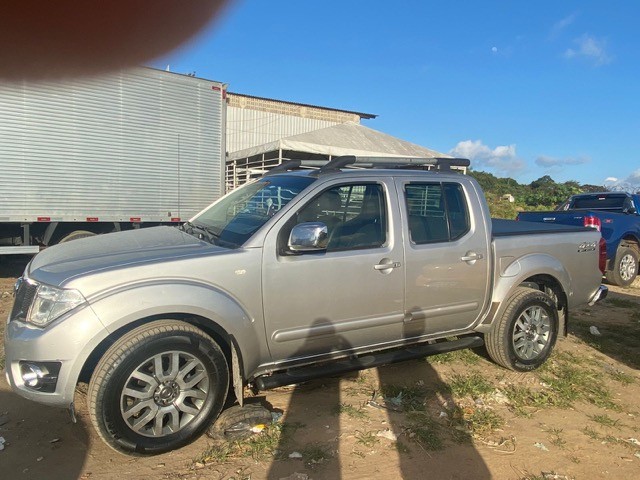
{"x":437,"y":212}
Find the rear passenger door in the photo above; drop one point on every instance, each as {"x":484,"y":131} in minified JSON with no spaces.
{"x":446,"y":256}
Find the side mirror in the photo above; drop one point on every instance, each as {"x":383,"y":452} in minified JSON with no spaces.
{"x":308,"y":237}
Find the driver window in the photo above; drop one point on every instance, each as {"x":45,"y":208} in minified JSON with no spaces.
{"x":355,"y":216}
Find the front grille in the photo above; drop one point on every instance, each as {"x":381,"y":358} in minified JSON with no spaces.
{"x":25,"y":293}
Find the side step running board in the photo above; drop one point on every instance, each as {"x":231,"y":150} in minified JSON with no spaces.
{"x":338,"y":367}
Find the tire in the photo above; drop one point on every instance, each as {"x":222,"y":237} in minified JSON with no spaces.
{"x":524,"y":336}
{"x":139,"y":412}
{"x":75,"y":235}
{"x":237,"y":423}
{"x":625,"y":267}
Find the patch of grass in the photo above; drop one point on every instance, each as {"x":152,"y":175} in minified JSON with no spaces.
{"x":351,"y":411}
{"x":605,"y":420}
{"x":428,"y":438}
{"x":425,"y":431}
{"x":623,"y":378}
{"x":524,"y":401}
{"x":620,"y":341}
{"x":621,"y":302}
{"x":591,"y":433}
{"x":409,"y":397}
{"x":465,"y":356}
{"x":259,"y":447}
{"x":473,"y":385}
{"x":483,"y":421}
{"x":568,"y":382}
{"x":368,"y":439}
{"x":556,"y":438}
{"x":314,"y":453}
{"x":401,"y":447}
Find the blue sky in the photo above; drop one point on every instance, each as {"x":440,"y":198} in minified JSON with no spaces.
{"x":524,"y":89}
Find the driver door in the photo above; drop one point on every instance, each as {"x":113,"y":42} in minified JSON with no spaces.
{"x":347,"y":297}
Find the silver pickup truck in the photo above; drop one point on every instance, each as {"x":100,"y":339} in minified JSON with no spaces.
{"x":297,"y":275}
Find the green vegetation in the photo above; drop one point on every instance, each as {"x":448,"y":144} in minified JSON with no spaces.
{"x":605,"y":420}
{"x":314,"y":453}
{"x":466,"y":356}
{"x":350,"y":410}
{"x":473,"y":385}
{"x":541,"y":194}
{"x":259,"y":447}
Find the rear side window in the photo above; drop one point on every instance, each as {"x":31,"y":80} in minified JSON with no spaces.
{"x":437,"y":212}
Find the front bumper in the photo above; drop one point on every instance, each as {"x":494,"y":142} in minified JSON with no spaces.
{"x":68,"y":342}
{"x":601,"y":294}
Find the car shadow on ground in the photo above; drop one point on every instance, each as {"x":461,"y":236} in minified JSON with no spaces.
{"x":40,"y":442}
{"x":335,"y":429}
{"x":617,"y":326}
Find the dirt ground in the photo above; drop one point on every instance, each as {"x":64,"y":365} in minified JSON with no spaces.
{"x":452,"y":416}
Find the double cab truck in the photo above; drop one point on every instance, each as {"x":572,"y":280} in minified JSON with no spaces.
{"x":297,"y":275}
{"x":616,"y":216}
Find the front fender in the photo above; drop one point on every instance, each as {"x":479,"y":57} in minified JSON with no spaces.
{"x":121,"y":307}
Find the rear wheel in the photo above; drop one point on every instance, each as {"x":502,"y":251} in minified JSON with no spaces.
{"x":524,"y":336}
{"x":158,"y":388}
{"x":625,"y":267}
{"x":76,"y":235}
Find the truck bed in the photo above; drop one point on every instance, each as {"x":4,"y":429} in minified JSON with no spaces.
{"x":505,"y":228}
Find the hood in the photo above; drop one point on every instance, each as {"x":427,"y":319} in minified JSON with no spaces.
{"x":59,"y":264}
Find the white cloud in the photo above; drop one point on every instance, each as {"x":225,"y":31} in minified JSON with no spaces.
{"x":549,"y":162}
{"x":590,"y":48}
{"x":502,"y":160}
{"x":558,"y":27}
{"x":631,"y":183}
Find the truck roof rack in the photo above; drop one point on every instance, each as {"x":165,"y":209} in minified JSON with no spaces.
{"x":285,"y":166}
{"x":351,"y":161}
{"x":336,"y":164}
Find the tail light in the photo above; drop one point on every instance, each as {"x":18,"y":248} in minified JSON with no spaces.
{"x":602,"y":257}
{"x":592,"y":222}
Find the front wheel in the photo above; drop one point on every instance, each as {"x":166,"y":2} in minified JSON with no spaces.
{"x":157,"y":388}
{"x":625,"y":267}
{"x":524,"y":336}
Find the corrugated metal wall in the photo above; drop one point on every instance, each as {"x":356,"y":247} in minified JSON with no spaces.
{"x":250,"y":128}
{"x":140,"y":143}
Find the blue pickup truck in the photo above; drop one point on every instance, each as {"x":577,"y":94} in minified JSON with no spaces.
{"x":615,"y":215}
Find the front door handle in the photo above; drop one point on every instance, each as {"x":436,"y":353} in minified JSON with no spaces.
{"x":471,"y":257}
{"x":386,"y":264}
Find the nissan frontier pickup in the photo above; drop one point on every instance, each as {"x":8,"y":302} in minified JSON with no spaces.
{"x":300,"y":274}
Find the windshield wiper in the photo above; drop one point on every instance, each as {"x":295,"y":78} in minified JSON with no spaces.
{"x":200,"y":231}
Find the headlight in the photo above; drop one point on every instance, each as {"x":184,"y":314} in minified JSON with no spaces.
{"x":51,"y":302}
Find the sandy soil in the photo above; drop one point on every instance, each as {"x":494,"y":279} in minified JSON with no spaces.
{"x":421,"y":423}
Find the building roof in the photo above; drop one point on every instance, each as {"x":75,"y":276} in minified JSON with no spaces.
{"x":343,"y":139}
{"x":366,"y":116}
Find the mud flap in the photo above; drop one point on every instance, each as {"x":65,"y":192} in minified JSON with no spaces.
{"x":238,"y":387}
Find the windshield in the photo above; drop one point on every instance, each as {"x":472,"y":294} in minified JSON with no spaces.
{"x":234,"y":218}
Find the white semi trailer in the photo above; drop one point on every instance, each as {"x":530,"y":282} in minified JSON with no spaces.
{"x":93,"y":155}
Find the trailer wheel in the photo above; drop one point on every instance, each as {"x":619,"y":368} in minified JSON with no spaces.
{"x":75,"y":235}
{"x":524,"y":336}
{"x":625,"y":267}
{"x":157,"y":388}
